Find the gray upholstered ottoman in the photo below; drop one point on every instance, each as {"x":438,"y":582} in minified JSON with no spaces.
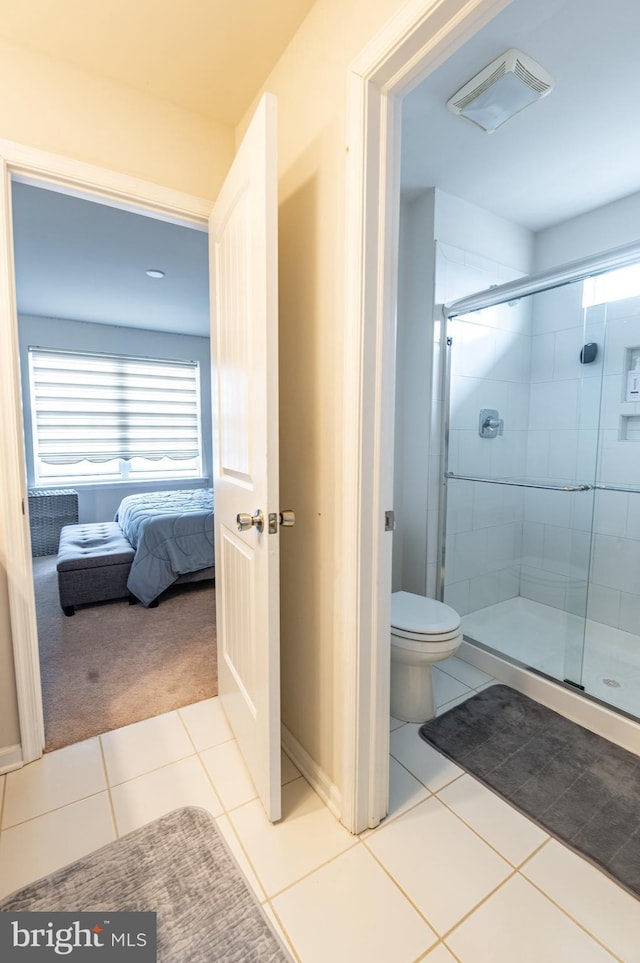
{"x":93,"y":564}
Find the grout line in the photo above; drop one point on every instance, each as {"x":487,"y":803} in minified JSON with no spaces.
{"x":241,"y":846}
{"x":566,"y":912}
{"x":147,"y":772}
{"x":109,"y":796}
{"x":481,"y":902}
{"x":396,"y":883}
{"x":186,"y":729}
{"x":433,"y":792}
{"x":491,"y":845}
{"x":311,"y":872}
{"x":291,"y":944}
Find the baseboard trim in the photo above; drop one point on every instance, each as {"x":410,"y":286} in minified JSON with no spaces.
{"x":10,"y":759}
{"x":312,"y":772}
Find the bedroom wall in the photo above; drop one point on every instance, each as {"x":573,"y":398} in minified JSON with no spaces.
{"x":98,"y":503}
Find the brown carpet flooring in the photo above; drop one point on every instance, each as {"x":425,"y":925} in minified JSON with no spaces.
{"x":114,"y":663}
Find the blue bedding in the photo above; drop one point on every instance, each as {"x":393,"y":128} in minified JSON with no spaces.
{"x":172,"y":534}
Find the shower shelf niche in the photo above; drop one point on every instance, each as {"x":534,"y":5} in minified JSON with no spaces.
{"x":630,"y":428}
{"x":631,"y":385}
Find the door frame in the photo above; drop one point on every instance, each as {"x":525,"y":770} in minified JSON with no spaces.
{"x":418,"y":39}
{"x":31,"y":165}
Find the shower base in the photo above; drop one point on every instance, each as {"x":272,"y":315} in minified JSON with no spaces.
{"x":551,"y":641}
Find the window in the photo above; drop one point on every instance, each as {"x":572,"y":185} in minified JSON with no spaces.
{"x":113,"y":418}
{"x":612,"y":286}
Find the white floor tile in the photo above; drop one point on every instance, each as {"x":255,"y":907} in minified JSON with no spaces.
{"x":54,"y":780}
{"x":440,"y":710}
{"x":229,"y":774}
{"x":421,"y":759}
{"x":206,"y":723}
{"x":370,"y":918}
{"x":141,"y":800}
{"x":600,"y":905}
{"x":143,"y":746}
{"x":227,"y":831}
{"x":33,"y":849}
{"x":306,"y":837}
{"x":442,"y":866}
{"x":517,"y":923}
{"x":405,"y":790}
{"x":512,"y":834}
{"x":394,"y":723}
{"x":465,"y":672}
{"x":446,"y":688}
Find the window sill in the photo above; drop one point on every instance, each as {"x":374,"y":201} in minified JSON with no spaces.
{"x":159,"y":484}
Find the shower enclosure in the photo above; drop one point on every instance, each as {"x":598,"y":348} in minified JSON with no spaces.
{"x":540,"y":511}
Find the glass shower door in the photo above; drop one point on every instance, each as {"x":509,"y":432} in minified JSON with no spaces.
{"x":611,"y":664}
{"x":524,"y":388}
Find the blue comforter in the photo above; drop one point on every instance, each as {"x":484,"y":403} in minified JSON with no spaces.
{"x":172,"y":534}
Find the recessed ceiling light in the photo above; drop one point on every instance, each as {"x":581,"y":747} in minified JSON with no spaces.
{"x":153,"y":273}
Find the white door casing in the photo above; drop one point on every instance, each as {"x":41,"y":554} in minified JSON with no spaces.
{"x":420,"y":37}
{"x":244,"y":345}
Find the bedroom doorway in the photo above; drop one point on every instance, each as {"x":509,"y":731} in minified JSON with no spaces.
{"x":82,"y":286}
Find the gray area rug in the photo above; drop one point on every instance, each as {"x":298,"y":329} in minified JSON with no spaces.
{"x":180,"y":868}
{"x":114,"y":663}
{"x":579,"y":787}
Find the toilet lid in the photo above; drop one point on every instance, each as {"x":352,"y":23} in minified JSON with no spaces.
{"x":422,"y":616}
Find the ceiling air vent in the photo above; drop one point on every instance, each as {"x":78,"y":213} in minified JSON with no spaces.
{"x":506,"y":86}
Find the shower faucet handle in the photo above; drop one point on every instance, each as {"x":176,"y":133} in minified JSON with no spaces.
{"x":490,"y":424}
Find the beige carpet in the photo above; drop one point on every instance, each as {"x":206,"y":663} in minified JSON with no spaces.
{"x":114,"y":663}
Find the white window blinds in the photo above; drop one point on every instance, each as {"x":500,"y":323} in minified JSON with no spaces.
{"x":99,"y":407}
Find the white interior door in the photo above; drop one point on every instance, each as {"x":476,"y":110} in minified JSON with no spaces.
{"x":243,"y":252}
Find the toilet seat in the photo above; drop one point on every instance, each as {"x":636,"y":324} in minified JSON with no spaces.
{"x":419,"y":620}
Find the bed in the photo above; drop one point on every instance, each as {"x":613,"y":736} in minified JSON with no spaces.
{"x":171,"y":533}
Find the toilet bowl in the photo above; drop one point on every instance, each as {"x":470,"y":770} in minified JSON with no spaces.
{"x":423,"y":631}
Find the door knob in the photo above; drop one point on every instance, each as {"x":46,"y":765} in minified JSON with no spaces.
{"x":245,"y":521}
{"x":287,"y":518}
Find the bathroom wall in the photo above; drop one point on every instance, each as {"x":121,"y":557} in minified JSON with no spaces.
{"x":414,"y":353}
{"x":471,"y":249}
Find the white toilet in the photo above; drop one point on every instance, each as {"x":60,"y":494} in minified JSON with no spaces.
{"x":423,"y":631}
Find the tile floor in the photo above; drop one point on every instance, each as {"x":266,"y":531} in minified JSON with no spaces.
{"x":453,"y":873}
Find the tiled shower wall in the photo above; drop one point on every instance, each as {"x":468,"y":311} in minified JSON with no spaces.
{"x":614,"y":592}
{"x":545,"y":545}
{"x":490,"y":363}
{"x":561,"y":449}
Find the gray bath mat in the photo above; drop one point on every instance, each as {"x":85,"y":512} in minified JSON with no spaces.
{"x":178,"y":867}
{"x":576,"y":785}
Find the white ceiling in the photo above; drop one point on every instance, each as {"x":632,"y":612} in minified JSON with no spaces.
{"x":574,"y":150}
{"x":85,"y":261}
